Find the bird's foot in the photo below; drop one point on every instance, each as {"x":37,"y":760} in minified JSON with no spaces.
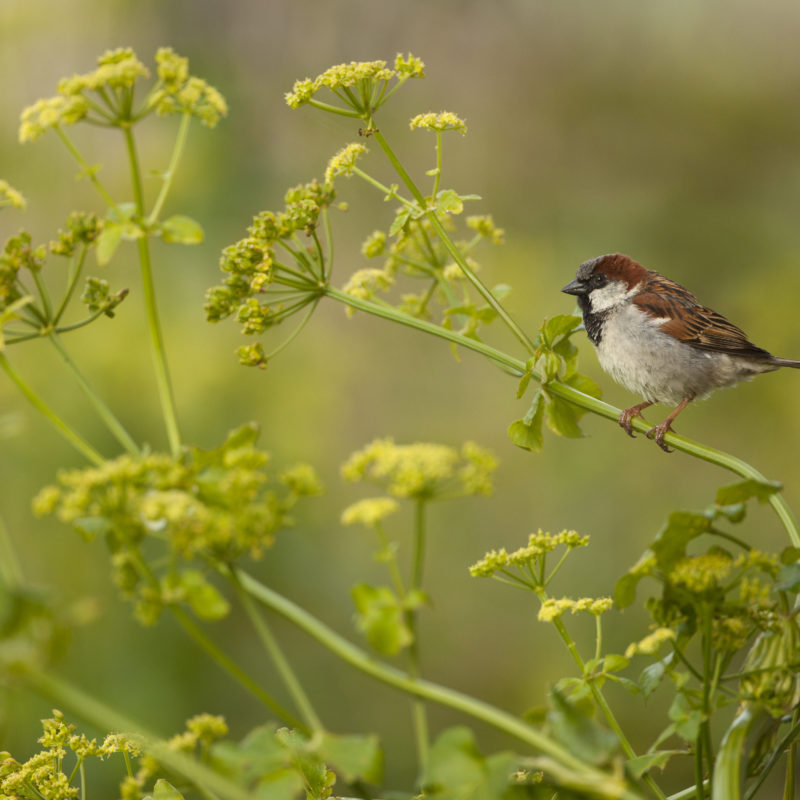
{"x":626,"y":417}
{"x":658,"y":432}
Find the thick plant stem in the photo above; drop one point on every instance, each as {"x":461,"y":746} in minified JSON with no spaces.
{"x":89,"y":708}
{"x":103,"y":411}
{"x":156,"y":338}
{"x":592,"y":404}
{"x":280,"y":661}
{"x":582,"y":773}
{"x":77,"y":441}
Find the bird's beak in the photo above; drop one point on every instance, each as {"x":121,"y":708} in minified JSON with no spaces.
{"x":576,"y":287}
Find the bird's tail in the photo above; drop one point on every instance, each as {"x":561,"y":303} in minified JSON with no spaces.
{"x":785,"y":362}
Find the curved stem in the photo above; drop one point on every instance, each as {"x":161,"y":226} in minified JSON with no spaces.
{"x":103,"y":411}
{"x":471,"y":706}
{"x":452,"y":249}
{"x":77,"y":441}
{"x":166,"y":185}
{"x":159,"y":354}
{"x":585,"y":401}
{"x":290,"y":680}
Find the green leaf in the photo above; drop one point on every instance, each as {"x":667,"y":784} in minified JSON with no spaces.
{"x":641,"y":764}
{"x":181,"y":230}
{"x":625,"y":589}
{"x":107,"y":242}
{"x":204,"y":598}
{"x":399,"y":221}
{"x":584,"y":737}
{"x":353,"y":757}
{"x":740,"y":492}
{"x":614,"y":662}
{"x":527,"y":432}
{"x":681,"y":528}
{"x":584,"y":384}
{"x":448,"y":202}
{"x":652,"y":675}
{"x":790,"y":554}
{"x":551,"y":364}
{"x":165,"y":791}
{"x":788,"y":578}
{"x":559,"y":326}
{"x":381,"y":618}
{"x":562,"y":418}
{"x":687,"y":720}
{"x":456,"y":770}
{"x":523,"y":384}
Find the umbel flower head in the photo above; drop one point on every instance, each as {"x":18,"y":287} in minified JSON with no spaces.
{"x":105,"y":95}
{"x":361,"y":86}
{"x":423,"y":470}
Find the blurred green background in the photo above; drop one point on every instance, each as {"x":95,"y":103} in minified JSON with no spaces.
{"x":669,"y":131}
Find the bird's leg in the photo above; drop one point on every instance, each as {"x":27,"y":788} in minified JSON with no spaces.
{"x":658,"y":432}
{"x":628,"y":414}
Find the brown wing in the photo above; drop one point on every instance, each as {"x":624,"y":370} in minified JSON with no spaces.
{"x":696,"y":325}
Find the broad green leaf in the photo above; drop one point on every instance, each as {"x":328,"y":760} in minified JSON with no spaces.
{"x":687,"y":720}
{"x":456,"y":770}
{"x":789,"y":578}
{"x":582,"y":735}
{"x":399,"y":222}
{"x":641,"y":764}
{"x":165,"y":791}
{"x":790,"y":554}
{"x":380,"y":617}
{"x":740,"y":492}
{"x":550,"y":364}
{"x":562,"y":418}
{"x":204,"y":598}
{"x":107,"y":242}
{"x":317,"y":778}
{"x":652,"y":675}
{"x":353,"y":757}
{"x":527,"y":432}
{"x":681,"y":528}
{"x":558,"y":326}
{"x":584,"y":384}
{"x":523,"y":384}
{"x":448,"y":202}
{"x":181,"y":230}
{"x":614,"y":662}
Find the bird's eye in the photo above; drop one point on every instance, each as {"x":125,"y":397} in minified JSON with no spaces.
{"x":598,"y":280}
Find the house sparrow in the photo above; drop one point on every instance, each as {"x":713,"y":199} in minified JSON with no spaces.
{"x":654,"y":338}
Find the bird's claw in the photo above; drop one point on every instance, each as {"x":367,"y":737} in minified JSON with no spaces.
{"x":657,"y":434}
{"x":625,"y":418}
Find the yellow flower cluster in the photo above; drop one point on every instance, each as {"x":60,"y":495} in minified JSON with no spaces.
{"x":369,"y":512}
{"x":539,"y":544}
{"x":651,"y":643}
{"x":9,"y":196}
{"x":443,"y":121}
{"x":423,"y":470}
{"x":363,"y":74}
{"x":552,"y":609}
{"x":343,"y":162}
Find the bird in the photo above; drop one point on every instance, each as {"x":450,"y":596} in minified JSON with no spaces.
{"x":654,"y":338}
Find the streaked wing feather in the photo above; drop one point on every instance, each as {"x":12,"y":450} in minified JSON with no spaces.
{"x":692,"y":323}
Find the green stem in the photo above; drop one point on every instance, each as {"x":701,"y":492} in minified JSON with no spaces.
{"x":233,"y":669}
{"x":76,"y":268}
{"x":77,"y":441}
{"x":10,"y":569}
{"x":156,"y":338}
{"x":103,"y":411}
{"x":592,"y":404}
{"x":452,"y":249}
{"x":88,"y":170}
{"x":98,"y":714}
{"x":502,"y":720}
{"x":271,"y":645}
{"x":415,"y":585}
{"x":166,"y":185}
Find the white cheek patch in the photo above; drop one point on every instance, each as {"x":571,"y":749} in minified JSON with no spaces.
{"x":610,"y":295}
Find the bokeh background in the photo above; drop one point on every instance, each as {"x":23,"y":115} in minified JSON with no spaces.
{"x":669,"y":131}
